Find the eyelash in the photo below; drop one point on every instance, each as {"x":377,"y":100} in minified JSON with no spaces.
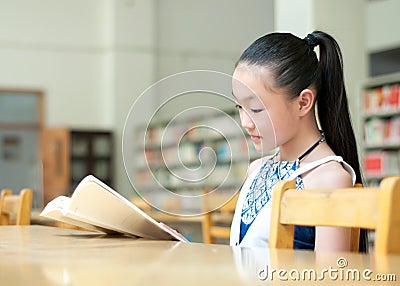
{"x":252,"y":110}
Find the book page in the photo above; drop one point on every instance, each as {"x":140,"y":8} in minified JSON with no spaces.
{"x":57,"y":208}
{"x":95,"y":203}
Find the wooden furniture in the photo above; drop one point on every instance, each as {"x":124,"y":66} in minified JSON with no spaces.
{"x":355,"y":232}
{"x":71,"y":154}
{"x":369,"y":208}
{"x":217,"y":221}
{"x":39,"y":255}
{"x":15,"y":209}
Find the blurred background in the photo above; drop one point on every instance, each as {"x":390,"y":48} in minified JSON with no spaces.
{"x":71,"y":69}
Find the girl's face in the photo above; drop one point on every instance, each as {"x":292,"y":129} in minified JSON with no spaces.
{"x":265,"y":112}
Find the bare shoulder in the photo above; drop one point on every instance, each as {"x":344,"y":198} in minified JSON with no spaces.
{"x":328,"y":175}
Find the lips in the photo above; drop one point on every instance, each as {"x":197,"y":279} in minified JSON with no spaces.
{"x":255,"y":137}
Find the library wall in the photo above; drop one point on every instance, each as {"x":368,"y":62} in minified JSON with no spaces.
{"x":193,"y":36}
{"x":383,"y":40}
{"x":286,"y":15}
{"x":131,"y":62}
{"x":208,"y":34}
{"x":56,"y":46}
{"x":382,"y":25}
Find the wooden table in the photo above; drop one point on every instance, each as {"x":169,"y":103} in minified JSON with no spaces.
{"x":42,"y":255}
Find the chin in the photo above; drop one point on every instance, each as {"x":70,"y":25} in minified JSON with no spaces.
{"x":259,"y":148}
{"x":265,"y":150}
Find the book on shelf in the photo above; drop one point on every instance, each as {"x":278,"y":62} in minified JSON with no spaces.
{"x":381,"y":163}
{"x":382,"y":131}
{"x":95,"y":206}
{"x":382,"y":98}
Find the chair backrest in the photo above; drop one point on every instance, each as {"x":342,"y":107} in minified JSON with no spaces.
{"x":355,"y":232}
{"x":369,"y":208}
{"x":15,"y":209}
{"x":217,"y":221}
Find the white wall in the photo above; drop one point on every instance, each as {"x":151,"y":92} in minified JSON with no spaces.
{"x":129,"y":67}
{"x":208,"y":34}
{"x":295,"y":17}
{"x":382,"y":25}
{"x":60,"y":53}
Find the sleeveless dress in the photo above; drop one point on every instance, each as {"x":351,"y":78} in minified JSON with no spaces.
{"x":251,"y":221}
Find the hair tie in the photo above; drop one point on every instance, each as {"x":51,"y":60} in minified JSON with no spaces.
{"x":311,"y":41}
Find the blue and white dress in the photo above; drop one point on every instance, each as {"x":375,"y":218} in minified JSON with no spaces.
{"x":251,"y":221}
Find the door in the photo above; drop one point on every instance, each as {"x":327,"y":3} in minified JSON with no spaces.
{"x":20,"y":129}
{"x":56,"y":168}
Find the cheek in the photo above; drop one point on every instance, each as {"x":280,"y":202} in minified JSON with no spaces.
{"x":277,"y":126}
{"x":267,"y":130}
{"x":280,"y":125}
{"x":266,"y":127}
{"x":263,"y":123}
{"x":284,"y":125}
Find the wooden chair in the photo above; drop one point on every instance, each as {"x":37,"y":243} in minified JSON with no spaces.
{"x":15,"y":209}
{"x":216,"y":223}
{"x":355,"y":233}
{"x":369,"y":208}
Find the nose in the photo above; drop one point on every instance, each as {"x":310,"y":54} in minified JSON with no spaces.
{"x":246,"y":121}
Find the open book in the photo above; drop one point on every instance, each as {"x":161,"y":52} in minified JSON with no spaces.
{"x":95,"y":206}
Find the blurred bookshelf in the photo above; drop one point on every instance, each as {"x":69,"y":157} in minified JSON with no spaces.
{"x":176,"y":156}
{"x":381,"y":122}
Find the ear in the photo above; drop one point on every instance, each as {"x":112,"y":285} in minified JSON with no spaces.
{"x":306,"y":101}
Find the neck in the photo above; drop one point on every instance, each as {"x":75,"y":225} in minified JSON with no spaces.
{"x":297,"y":145}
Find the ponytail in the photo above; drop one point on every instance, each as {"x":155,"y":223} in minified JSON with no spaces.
{"x":332,"y":105}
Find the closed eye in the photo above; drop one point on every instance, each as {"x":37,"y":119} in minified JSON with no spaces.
{"x":253,"y":110}
{"x":257,"y":110}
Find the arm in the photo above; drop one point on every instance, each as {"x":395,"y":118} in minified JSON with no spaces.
{"x":330,"y":238}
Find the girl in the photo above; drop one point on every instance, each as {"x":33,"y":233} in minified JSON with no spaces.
{"x":282,"y":92}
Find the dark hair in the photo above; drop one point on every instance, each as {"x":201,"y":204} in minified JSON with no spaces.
{"x":294,"y":66}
